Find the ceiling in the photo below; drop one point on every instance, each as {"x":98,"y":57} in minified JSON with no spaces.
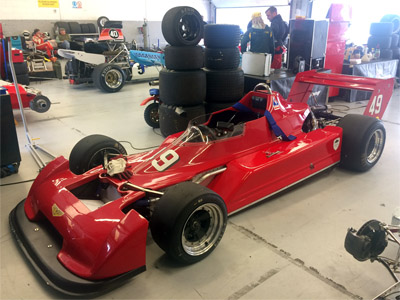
{"x":248,"y":3}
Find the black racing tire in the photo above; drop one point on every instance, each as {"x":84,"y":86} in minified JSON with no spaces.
{"x":379,"y":29}
{"x":19,"y":68}
{"x":92,"y":28}
{"x":383,"y":41}
{"x":84,"y":28}
{"x":394,"y":19}
{"x":221,"y":35}
{"x":215,"y":106}
{"x":101,"y":21}
{"x":221,"y":58}
{"x":395,"y":41}
{"x":396,"y":53}
{"x":23,"y":79}
{"x":175,"y":119}
{"x":182,"y":88}
{"x":89,"y":152}
{"x":182,"y":26}
{"x":184,"y":57}
{"x":59,"y":25}
{"x":375,"y":233}
{"x":108,"y":77}
{"x":188,"y":222}
{"x":386,"y":54}
{"x":75,"y":27}
{"x":363,"y":142}
{"x":224,"y":85}
{"x":40,"y":104}
{"x":151,"y":115}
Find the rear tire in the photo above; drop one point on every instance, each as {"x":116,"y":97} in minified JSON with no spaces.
{"x":221,"y":36}
{"x":89,"y":152}
{"x":188,"y":222}
{"x":108,"y":77}
{"x":224,"y":85}
{"x":363,"y":142}
{"x":184,"y":58}
{"x":222,"y":58}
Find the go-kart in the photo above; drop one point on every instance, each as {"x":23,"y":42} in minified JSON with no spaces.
{"x":30,"y":97}
{"x":95,"y":209}
{"x":107,"y":62}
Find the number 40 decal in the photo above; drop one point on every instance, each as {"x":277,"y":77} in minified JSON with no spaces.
{"x":167,"y":159}
{"x":376,"y":105}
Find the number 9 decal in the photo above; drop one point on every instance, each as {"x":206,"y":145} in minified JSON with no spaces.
{"x":166,"y":160}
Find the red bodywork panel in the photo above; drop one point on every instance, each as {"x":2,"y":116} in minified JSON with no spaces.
{"x":111,"y":240}
{"x":26,"y":95}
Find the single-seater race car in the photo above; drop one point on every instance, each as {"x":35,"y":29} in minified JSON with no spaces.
{"x":84,"y":222}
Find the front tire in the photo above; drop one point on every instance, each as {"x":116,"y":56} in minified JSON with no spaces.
{"x":188,"y":222}
{"x":363,"y":142}
{"x":40,"y":104}
{"x":89,"y":152}
{"x":108,"y":77}
{"x":151,"y":115}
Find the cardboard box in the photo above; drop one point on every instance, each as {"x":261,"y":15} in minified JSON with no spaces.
{"x":258,"y":64}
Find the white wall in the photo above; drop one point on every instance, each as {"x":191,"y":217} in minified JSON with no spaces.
{"x":125,"y":10}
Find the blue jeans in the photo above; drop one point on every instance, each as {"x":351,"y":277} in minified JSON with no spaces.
{"x":64,"y":45}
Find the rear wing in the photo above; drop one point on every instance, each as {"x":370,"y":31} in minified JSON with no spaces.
{"x":381,"y":89}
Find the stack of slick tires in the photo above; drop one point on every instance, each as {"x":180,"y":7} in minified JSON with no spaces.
{"x":183,"y":82}
{"x":21,"y":72}
{"x":385,"y":35}
{"x":225,"y":80}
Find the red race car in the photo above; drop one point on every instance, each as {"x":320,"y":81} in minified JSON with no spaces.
{"x":84,"y":222}
{"x":30,"y":97}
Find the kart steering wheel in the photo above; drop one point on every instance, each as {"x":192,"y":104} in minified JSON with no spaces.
{"x":263,"y":86}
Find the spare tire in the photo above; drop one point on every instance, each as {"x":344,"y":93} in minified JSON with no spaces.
{"x":222,"y":58}
{"x":224,"y":85}
{"x":182,"y":26}
{"x":395,"y":41}
{"x":101,"y":21}
{"x":221,"y":35}
{"x":383,"y":41}
{"x":184,"y":58}
{"x":59,"y":25}
{"x":182,"y":88}
{"x":395,"y":19}
{"x":396,"y":53}
{"x":386,"y":54}
{"x":385,"y":28}
{"x":75,"y":27}
{"x":175,"y":119}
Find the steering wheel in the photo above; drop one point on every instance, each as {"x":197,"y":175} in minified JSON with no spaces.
{"x":263,"y":86}
{"x":207,"y":132}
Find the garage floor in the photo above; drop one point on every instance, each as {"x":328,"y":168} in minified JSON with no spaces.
{"x":287,"y":247}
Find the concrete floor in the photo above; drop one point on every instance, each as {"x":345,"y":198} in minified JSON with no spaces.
{"x":287,"y":247}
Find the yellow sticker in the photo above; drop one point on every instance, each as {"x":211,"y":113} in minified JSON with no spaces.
{"x":56,"y":212}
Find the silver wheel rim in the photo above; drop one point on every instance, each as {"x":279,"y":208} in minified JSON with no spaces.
{"x":113,"y":78}
{"x":375,"y":146}
{"x":202,"y":229}
{"x":41,"y":103}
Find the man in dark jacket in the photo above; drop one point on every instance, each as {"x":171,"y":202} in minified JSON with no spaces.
{"x":280,"y":30}
{"x":259,"y":35}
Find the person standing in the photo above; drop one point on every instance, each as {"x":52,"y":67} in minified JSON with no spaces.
{"x":259,"y":35}
{"x":41,"y":44}
{"x":280,"y":30}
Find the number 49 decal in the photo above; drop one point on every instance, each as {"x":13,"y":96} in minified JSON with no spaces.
{"x":166,"y":160}
{"x":376,"y":105}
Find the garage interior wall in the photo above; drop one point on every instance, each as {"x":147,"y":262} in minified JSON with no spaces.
{"x":20,"y":15}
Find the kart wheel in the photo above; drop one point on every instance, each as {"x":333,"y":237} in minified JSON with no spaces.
{"x":182,"y":26}
{"x":108,"y":77}
{"x":188,"y":222}
{"x":89,"y":152}
{"x":40,"y":104}
{"x":151,"y":115}
{"x":184,"y":58}
{"x":221,"y":36}
{"x":363,"y":142}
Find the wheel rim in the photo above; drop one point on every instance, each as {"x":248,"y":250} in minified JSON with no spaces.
{"x":154,"y":116}
{"x":375,"y":146}
{"x":202,"y":229}
{"x":189,"y":28}
{"x":41,"y":104}
{"x":98,"y":157}
{"x":113,"y":78}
